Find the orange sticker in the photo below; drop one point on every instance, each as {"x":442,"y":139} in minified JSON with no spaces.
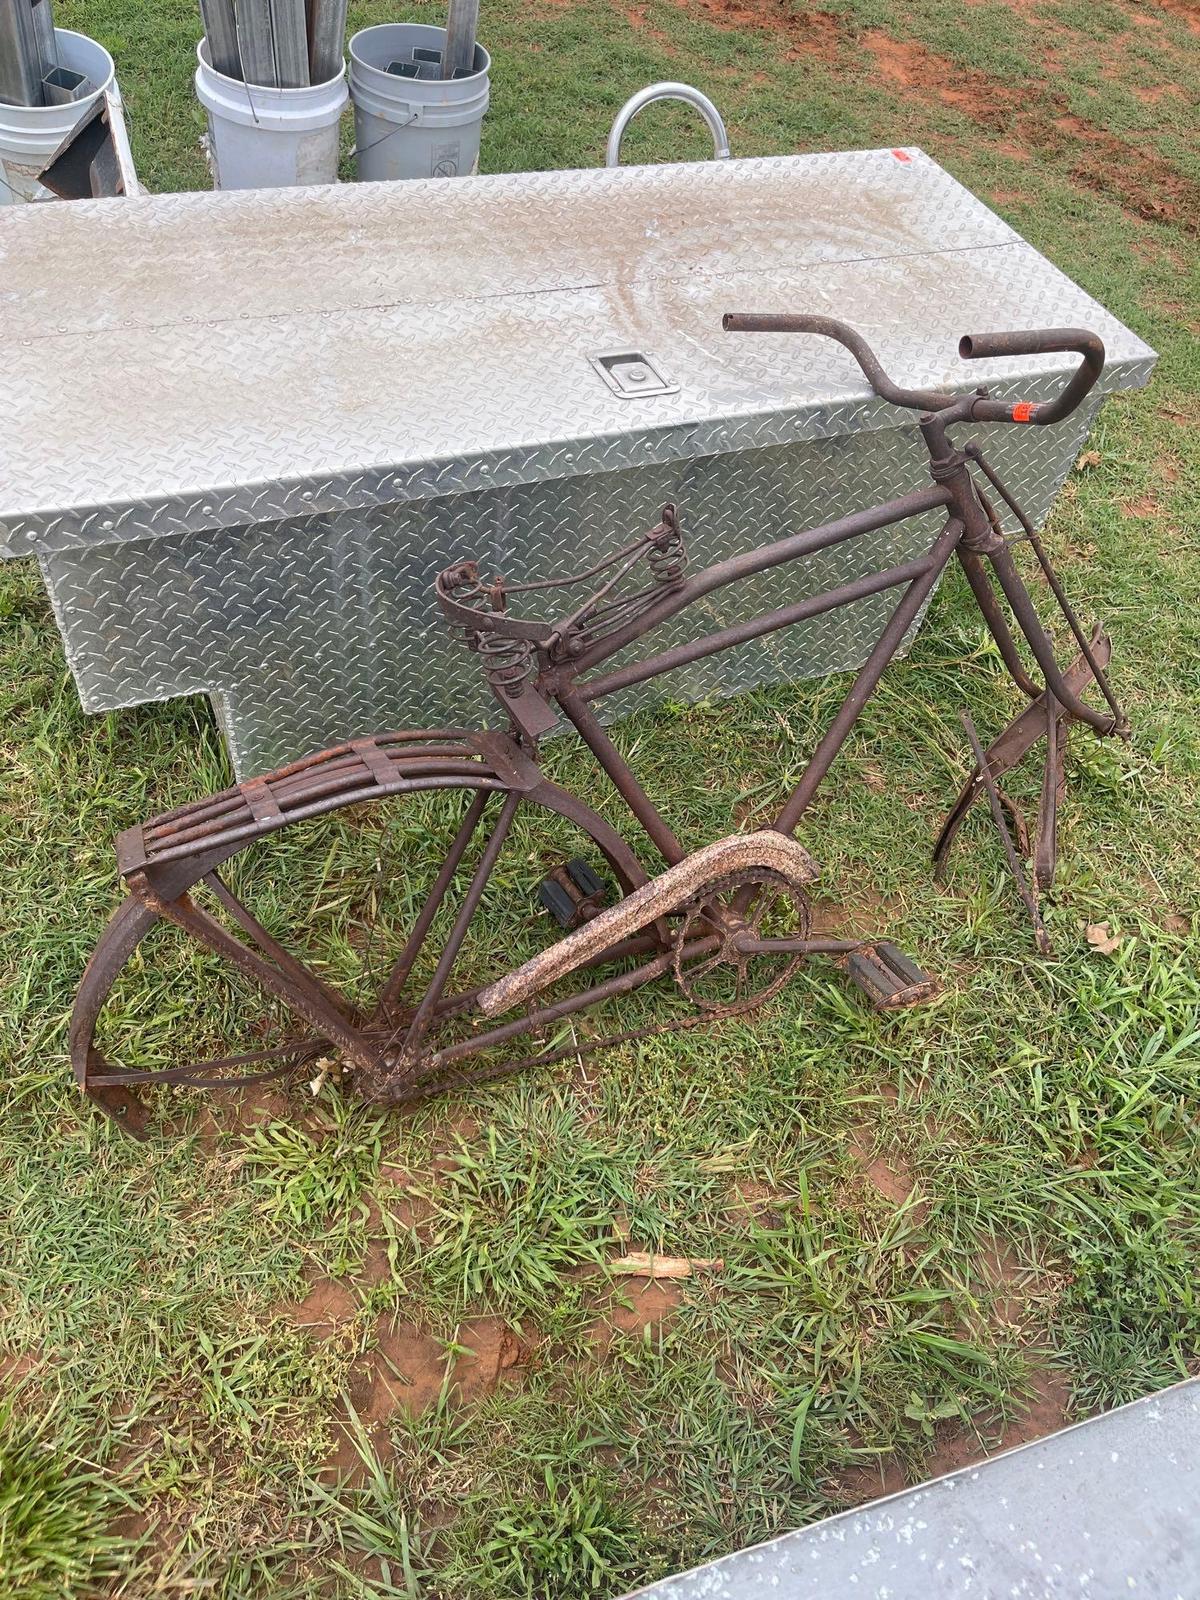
{"x":1023,"y":411}
{"x":901,"y":155}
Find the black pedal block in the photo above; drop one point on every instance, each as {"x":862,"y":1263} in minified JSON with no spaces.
{"x":558,"y":902}
{"x":573,"y":893}
{"x":888,"y":978}
{"x":590,"y":884}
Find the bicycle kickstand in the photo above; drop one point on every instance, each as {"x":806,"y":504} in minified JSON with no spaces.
{"x":1028,"y":891}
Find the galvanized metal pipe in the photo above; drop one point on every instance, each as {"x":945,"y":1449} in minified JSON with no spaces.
{"x":253,"y":18}
{"x":462,"y":24}
{"x":666,"y":91}
{"x":60,"y":86}
{"x":326,"y":38}
{"x":289,"y":42}
{"x":21,"y":70}
{"x":220,"y":29}
{"x":43,"y":32}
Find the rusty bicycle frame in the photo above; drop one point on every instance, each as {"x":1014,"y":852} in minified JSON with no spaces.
{"x":708,"y":911}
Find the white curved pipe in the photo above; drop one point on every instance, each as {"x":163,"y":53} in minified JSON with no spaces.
{"x":667,"y":91}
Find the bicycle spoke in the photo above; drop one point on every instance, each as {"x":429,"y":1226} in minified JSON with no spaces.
{"x":217,"y":1072}
{"x":300,"y":993}
{"x":437,"y":894}
{"x":462,"y":922}
{"x":282,"y":958}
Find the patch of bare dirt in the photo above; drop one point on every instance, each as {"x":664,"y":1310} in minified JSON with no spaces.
{"x":638,"y":1304}
{"x":1132,"y":174}
{"x":220,"y":1115}
{"x":490,"y":1349}
{"x":405,"y":1372}
{"x":1151,"y":95}
{"x":1145,"y":506}
{"x":855,"y":1486}
{"x":325,"y":1308}
{"x":1186,"y":10}
{"x":1004,"y":1275}
{"x":908,"y":65}
{"x":888,"y":1175}
{"x":813,"y":33}
{"x":1045,"y":1413}
{"x":864,"y":915}
{"x":15,"y":1368}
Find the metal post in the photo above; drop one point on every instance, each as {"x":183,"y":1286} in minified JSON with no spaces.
{"x":462,"y":24}
{"x":60,"y":86}
{"x":220,"y":29}
{"x":253,"y":19}
{"x":326,"y":38}
{"x":43,"y":32}
{"x":21,"y":69}
{"x":289,"y":41}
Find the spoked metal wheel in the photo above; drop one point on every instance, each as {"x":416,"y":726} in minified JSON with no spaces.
{"x":240,"y":882}
{"x":755,"y":915}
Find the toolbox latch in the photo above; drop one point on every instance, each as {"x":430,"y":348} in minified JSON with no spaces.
{"x":633,"y":375}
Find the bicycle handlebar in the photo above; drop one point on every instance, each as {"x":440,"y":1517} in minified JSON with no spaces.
{"x":1090,"y":346}
{"x":971,"y":347}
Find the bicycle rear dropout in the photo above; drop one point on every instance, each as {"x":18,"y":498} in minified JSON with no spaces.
{"x":727,"y":925}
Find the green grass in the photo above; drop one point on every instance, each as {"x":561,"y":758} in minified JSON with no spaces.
{"x":55,"y":1511}
{"x":175,"y":1419}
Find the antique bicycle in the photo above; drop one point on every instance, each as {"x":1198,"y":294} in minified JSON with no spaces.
{"x":728,"y":924}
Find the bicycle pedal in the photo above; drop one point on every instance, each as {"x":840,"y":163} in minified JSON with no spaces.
{"x":888,"y":978}
{"x":573,"y":893}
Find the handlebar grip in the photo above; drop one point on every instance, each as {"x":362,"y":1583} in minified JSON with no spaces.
{"x":980,"y":346}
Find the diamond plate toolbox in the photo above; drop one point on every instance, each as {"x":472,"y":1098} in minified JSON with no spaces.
{"x":245,"y":430}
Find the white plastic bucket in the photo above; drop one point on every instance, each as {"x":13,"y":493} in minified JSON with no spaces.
{"x":413,"y":127}
{"x":269,"y":138}
{"x":29,"y":135}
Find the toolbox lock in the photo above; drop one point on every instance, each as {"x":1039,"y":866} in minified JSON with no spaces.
{"x":632,"y":374}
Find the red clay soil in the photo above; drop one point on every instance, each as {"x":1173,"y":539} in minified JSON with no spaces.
{"x":1131,"y":173}
{"x":813,"y":33}
{"x":405,"y":1372}
{"x":1186,"y":10}
{"x":636,"y":1304}
{"x":14,"y":1369}
{"x":909,"y":65}
{"x":954,"y":1449}
{"x":326,"y":1306}
{"x":887,"y":1174}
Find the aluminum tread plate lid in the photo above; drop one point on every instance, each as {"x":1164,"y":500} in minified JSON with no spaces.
{"x":196,"y":361}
